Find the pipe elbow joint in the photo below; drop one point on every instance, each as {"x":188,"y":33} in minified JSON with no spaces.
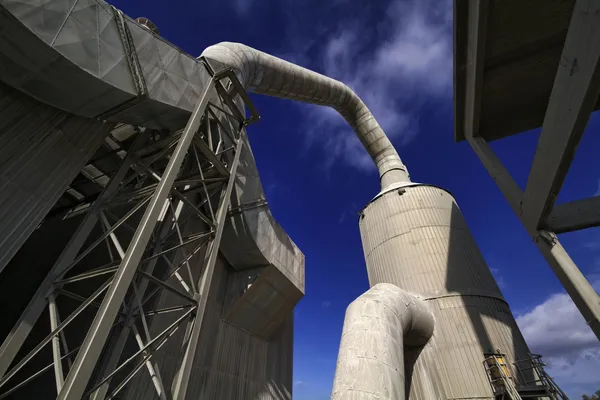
{"x":378,"y":326}
{"x":401,"y":310}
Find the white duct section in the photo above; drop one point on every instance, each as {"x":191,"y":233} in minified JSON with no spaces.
{"x":265,"y":74}
{"x":378,"y":326}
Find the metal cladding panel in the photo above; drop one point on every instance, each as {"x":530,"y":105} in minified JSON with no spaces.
{"x":51,"y":50}
{"x":252,"y":236}
{"x":450,"y":365}
{"x":230,"y":363}
{"x":41,"y":151}
{"x":260,"y":300}
{"x":172,"y":76}
{"x":418,"y":236}
{"x":417,"y":239}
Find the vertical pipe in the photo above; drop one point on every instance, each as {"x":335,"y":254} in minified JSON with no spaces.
{"x":56,"y":353}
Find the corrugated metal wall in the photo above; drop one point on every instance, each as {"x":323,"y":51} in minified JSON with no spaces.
{"x":416,"y":238}
{"x":230,"y":363}
{"x":42,"y":149}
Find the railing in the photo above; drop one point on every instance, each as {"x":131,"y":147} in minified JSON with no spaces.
{"x":533,"y":366}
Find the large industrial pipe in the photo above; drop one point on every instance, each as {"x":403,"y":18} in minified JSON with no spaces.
{"x":263,"y":73}
{"x":378,"y":325}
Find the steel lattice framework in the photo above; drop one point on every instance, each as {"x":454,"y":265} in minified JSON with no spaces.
{"x":155,"y":229}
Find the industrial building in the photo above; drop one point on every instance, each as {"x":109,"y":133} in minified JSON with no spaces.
{"x":148,"y":263}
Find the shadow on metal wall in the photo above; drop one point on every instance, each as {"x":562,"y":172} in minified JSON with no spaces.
{"x":489,"y":316}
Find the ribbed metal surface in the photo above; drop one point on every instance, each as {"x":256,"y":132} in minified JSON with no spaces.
{"x":230,"y":363}
{"x":438,"y":253}
{"x":41,"y":151}
{"x":418,"y":240}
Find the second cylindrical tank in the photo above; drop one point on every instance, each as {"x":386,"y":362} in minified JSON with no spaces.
{"x":415,"y":237}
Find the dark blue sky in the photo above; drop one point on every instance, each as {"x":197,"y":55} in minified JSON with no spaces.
{"x":397,"y":56}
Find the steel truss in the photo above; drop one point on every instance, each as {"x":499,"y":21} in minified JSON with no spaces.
{"x":155,"y":228}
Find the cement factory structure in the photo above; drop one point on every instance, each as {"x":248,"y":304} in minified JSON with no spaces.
{"x":138,"y":255}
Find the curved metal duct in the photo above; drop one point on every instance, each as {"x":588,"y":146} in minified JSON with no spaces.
{"x":378,"y":326}
{"x":265,"y":74}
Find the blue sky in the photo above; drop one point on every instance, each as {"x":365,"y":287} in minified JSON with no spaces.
{"x":397,"y":55}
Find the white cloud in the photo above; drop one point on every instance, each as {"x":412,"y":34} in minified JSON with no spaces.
{"x":593,"y":245}
{"x":299,"y":383}
{"x":242,"y":7}
{"x":395,"y":77}
{"x":556,"y":329}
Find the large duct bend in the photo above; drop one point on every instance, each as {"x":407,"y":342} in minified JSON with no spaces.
{"x":263,"y":73}
{"x":378,"y":325}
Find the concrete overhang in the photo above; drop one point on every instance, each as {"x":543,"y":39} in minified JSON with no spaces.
{"x":520,"y":49}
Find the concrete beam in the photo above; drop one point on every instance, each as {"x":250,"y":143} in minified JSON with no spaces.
{"x":579,"y":289}
{"x":474,"y":70}
{"x":574,"y":94}
{"x":511,"y":191}
{"x":575,"y":215}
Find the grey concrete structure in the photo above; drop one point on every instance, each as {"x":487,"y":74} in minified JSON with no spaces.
{"x":115,"y":69}
{"x":523,"y":65}
{"x":210,"y":317}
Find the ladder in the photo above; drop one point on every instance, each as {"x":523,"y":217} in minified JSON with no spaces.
{"x":500,"y":377}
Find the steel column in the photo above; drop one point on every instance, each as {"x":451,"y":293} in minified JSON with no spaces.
{"x":574,"y":94}
{"x":582,"y":293}
{"x":56,"y":351}
{"x":183,"y":376}
{"x":93,"y":344}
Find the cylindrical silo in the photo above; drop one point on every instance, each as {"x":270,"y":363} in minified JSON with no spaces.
{"x":415,"y":237}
